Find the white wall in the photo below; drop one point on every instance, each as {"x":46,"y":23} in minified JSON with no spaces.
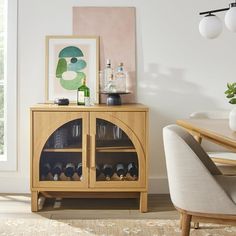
{"x":178,"y":71}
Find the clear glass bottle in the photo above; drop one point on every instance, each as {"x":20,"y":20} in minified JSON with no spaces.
{"x":83,"y":94}
{"x":111,"y":85}
{"x":120,"y":78}
{"x":108,"y":77}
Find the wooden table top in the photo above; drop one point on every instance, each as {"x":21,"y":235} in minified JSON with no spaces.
{"x":215,"y":130}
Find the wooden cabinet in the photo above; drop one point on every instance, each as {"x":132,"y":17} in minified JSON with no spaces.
{"x":89,"y":137}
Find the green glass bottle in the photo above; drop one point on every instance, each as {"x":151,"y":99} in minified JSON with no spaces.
{"x":83,"y":94}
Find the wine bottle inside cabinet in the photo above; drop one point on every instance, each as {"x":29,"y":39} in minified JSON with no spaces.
{"x":119,"y":163}
{"x":63,"y":152}
{"x":60,"y":161}
{"x":114,"y":149}
{"x":71,"y":146}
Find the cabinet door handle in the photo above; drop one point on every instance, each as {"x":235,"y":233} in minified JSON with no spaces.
{"x":93,"y":150}
{"x":85,"y":148}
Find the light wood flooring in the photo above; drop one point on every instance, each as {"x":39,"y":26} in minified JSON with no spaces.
{"x":18,"y":206}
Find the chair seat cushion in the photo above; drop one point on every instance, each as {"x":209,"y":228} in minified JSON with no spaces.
{"x":228,"y":183}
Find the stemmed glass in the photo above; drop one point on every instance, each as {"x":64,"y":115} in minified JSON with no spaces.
{"x":117,"y":132}
{"x":101,"y":130}
{"x":76,"y":132}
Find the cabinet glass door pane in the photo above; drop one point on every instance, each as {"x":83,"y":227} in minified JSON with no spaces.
{"x":116,"y":158}
{"x":61,"y":157}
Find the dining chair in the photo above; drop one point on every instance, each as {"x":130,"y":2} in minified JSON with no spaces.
{"x":218,"y":153}
{"x":198,"y":189}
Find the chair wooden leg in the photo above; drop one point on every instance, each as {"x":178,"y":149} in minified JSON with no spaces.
{"x":196,"y":225}
{"x":186,"y":220}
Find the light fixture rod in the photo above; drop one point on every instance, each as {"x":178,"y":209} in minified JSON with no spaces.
{"x":213,"y":11}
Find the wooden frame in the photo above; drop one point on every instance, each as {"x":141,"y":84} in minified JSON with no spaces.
{"x":70,"y":59}
{"x":45,"y":123}
{"x":129,"y":126}
{"x":187,"y":217}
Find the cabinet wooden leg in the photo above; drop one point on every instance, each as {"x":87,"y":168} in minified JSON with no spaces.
{"x":34,"y":201}
{"x":180,"y":220}
{"x":143,"y":202}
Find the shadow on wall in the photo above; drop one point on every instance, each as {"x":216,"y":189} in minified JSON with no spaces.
{"x":170,"y":96}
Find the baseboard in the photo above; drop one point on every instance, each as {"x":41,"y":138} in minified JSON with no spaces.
{"x":14,"y":185}
{"x":157,"y":185}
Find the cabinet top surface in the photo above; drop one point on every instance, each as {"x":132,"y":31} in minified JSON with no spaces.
{"x":99,"y":107}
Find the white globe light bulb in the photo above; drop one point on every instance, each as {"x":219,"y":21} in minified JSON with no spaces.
{"x":230,"y":19}
{"x":210,"y":26}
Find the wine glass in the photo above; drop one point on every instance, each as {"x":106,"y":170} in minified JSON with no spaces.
{"x":117,"y":132}
{"x":60,"y":138}
{"x":101,"y":130}
{"x":76,"y":132}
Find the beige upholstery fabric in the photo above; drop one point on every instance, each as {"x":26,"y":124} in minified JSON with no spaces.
{"x":191,"y":175}
{"x":228,"y":183}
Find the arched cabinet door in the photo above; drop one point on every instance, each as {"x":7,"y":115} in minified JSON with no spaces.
{"x":117,"y":150}
{"x":60,"y":149}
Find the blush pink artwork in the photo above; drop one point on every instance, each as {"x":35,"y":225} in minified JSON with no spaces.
{"x":116,"y":27}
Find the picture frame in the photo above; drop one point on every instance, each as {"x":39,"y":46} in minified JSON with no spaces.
{"x":70,"y":59}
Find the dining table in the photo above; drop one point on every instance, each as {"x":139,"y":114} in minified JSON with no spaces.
{"x":214,"y":130}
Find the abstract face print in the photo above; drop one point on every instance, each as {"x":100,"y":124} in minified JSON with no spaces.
{"x":69,"y":67}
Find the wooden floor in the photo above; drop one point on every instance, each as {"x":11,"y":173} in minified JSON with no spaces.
{"x":18,"y":206}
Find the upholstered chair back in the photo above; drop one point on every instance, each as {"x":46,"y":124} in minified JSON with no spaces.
{"x":191,"y":172}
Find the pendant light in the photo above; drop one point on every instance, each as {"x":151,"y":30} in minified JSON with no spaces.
{"x":230,"y":18}
{"x":211,"y":26}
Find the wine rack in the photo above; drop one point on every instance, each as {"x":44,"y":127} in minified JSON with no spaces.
{"x":96,"y":150}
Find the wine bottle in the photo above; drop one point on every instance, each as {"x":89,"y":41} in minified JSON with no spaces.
{"x":83,"y":94}
{"x":121,"y":171}
{"x":56,"y":171}
{"x":79,"y":170}
{"x":69,"y":169}
{"x":98,"y":170}
{"x":133,"y":170}
{"x":108,"y":171}
{"x":45,"y":169}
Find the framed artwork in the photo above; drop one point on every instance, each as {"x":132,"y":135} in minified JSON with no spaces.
{"x":70,"y":60}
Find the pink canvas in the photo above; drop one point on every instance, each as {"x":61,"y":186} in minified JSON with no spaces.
{"x":116,"y":28}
